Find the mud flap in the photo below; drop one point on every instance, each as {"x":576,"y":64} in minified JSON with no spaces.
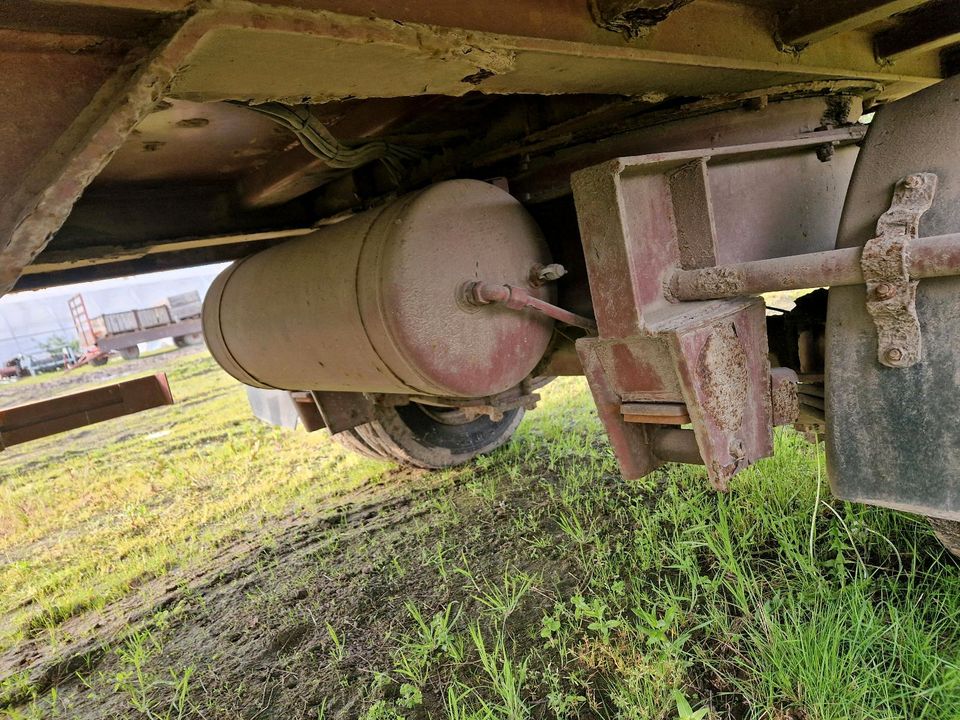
{"x":893,"y":435}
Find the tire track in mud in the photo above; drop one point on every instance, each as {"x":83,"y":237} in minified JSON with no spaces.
{"x":224,"y":576}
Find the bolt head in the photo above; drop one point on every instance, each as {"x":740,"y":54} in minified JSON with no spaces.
{"x":894,"y":354}
{"x":883,"y":290}
{"x":735,"y":448}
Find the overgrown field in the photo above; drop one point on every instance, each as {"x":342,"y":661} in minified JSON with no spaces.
{"x":190,"y":562}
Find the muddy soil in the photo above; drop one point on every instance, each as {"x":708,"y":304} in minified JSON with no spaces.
{"x":263,"y":622}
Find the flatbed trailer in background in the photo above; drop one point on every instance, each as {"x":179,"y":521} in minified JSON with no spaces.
{"x":123,"y":332}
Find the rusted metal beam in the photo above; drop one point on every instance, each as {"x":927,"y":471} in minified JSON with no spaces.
{"x":930,"y":28}
{"x":104,"y":255}
{"x":937,"y":256}
{"x":811,"y":22}
{"x":633,"y":18}
{"x":32,"y":421}
{"x":655,"y":413}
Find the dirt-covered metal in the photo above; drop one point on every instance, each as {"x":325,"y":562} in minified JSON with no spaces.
{"x":892,"y":434}
{"x":891,"y":292}
{"x":375,"y":303}
{"x":711,"y":359}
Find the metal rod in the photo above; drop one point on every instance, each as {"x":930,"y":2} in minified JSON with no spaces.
{"x":677,"y":446}
{"x":483,"y":293}
{"x":936,"y":256}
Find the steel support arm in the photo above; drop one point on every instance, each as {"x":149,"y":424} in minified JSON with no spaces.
{"x":937,"y":256}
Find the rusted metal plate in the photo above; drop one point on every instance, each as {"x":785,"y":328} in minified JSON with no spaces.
{"x":784,"y":400}
{"x":631,"y":442}
{"x":23,"y":423}
{"x":656,"y":413}
{"x":309,"y":411}
{"x":342,"y":411}
{"x":725,"y":376}
{"x":892,"y":433}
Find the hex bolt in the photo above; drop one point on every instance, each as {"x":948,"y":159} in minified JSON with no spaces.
{"x":893,"y":355}
{"x":735,"y":448}
{"x":883,"y":290}
{"x":542,"y":274}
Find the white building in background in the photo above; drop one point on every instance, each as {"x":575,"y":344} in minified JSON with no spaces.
{"x":27,"y":319}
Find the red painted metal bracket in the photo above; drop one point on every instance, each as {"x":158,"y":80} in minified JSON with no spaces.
{"x":642,"y":219}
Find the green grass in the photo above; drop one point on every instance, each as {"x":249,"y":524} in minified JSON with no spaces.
{"x":533,"y":583}
{"x":83,"y":523}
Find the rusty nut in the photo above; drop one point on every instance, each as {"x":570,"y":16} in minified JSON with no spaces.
{"x":893,"y":355}
{"x":883,"y":290}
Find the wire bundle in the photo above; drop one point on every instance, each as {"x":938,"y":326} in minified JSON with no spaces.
{"x":321,"y":143}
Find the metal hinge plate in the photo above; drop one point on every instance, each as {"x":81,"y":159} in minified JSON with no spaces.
{"x":891,"y":294}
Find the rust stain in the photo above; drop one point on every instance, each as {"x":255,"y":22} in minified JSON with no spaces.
{"x":722,"y":373}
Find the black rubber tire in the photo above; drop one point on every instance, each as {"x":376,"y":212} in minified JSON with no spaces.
{"x":182,"y":341}
{"x":130,"y":353}
{"x":429,"y":437}
{"x":352,"y":441}
{"x":948,"y":533}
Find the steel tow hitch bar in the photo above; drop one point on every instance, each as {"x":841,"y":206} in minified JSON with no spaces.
{"x":682,"y":339}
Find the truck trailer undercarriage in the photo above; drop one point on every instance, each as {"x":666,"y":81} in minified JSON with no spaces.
{"x":434,"y":208}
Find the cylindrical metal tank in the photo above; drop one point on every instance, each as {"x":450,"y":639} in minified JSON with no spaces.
{"x":375,"y":303}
